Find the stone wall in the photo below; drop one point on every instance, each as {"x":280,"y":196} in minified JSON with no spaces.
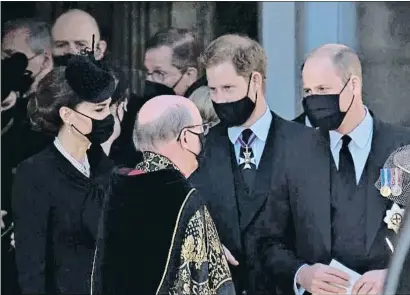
{"x":384,"y":46}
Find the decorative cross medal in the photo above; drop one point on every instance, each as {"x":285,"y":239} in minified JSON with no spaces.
{"x":396,"y":189}
{"x":394,"y":217}
{"x":385,"y":179}
{"x":246,"y":157}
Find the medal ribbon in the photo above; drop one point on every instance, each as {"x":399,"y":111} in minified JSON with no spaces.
{"x":385,"y":177}
{"x":394,"y":177}
{"x":250,"y":141}
{"x":398,"y":176}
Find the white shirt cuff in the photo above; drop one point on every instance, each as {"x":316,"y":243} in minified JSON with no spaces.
{"x":296,"y":288}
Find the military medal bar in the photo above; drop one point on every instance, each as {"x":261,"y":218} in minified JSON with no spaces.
{"x":396,"y":189}
{"x":385,"y":179}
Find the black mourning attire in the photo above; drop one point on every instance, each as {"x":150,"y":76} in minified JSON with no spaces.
{"x":301,"y":222}
{"x":301,"y":119}
{"x":56,"y":207}
{"x":157,"y":236}
{"x":56,"y":210}
{"x":233,"y":206}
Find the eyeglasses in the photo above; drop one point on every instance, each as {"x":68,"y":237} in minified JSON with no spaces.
{"x":205,"y":129}
{"x":157,"y":75}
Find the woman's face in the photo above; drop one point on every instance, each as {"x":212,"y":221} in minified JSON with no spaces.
{"x":97,"y":111}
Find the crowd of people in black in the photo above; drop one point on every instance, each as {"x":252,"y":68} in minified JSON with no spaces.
{"x":196,"y":186}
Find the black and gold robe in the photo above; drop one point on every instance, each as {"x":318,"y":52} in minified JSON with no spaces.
{"x":157,"y":236}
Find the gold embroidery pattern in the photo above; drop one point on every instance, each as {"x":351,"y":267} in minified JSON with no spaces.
{"x":203,"y":268}
{"x":155,"y":162}
{"x":219,"y":272}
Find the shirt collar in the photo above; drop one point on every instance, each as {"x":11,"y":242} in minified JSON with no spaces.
{"x":360,"y":135}
{"x":260,"y":128}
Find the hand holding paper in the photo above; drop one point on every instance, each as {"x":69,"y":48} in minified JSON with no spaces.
{"x":323,"y":279}
{"x":370,"y":283}
{"x":353,"y":276}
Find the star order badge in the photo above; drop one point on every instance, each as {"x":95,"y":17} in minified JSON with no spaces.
{"x":394,"y":217}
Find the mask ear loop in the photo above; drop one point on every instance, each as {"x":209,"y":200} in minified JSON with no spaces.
{"x":179,"y":80}
{"x":351,"y":103}
{"x":249,"y":85}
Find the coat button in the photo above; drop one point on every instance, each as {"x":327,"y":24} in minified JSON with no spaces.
{"x":244,"y":292}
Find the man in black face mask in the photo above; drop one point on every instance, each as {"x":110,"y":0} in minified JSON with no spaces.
{"x":242,"y":152}
{"x":171,"y":67}
{"x":335,"y":210}
{"x":154,"y":216}
{"x":72,"y":33}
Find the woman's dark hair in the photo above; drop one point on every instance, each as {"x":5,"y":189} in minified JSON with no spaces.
{"x":53,"y":92}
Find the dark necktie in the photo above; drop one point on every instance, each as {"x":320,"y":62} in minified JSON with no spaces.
{"x":346,"y":164}
{"x":246,"y":158}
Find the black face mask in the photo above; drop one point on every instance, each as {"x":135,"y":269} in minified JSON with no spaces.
{"x":101,"y":130}
{"x":201,"y":155}
{"x":153,"y":89}
{"x":236,"y":113}
{"x":62,"y":60}
{"x":323,"y":110}
{"x":17,"y":77}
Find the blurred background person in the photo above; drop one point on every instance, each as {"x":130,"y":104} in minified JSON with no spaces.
{"x":202,"y":99}
{"x":32,"y":38}
{"x":57,"y":193}
{"x":171,"y":67}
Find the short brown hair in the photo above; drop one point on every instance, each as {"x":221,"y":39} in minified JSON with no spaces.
{"x":246,"y":54}
{"x":184,"y":45}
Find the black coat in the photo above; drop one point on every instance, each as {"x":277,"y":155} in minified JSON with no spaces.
{"x":56,"y":211}
{"x":215,"y":181}
{"x":295,"y":225}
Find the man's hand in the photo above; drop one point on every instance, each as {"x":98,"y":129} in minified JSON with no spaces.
{"x":370,"y":283}
{"x":230,"y":257}
{"x":3,"y":213}
{"x":321,"y":279}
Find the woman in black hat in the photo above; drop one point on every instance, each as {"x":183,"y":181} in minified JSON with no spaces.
{"x":57,"y":194}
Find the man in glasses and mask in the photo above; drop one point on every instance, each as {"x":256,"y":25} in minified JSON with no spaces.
{"x":170,"y":67}
{"x":335,"y":210}
{"x":242,"y":152}
{"x":155,"y":218}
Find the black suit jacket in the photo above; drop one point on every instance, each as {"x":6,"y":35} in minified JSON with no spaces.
{"x":215,"y":181}
{"x":295,"y":225}
{"x":300,"y":119}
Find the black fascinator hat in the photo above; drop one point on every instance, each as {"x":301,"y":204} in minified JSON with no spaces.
{"x":90,"y":82}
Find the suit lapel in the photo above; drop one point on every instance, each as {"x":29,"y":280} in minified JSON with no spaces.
{"x":221,"y":176}
{"x":320,"y":186}
{"x":375,"y":203}
{"x":265,"y":173}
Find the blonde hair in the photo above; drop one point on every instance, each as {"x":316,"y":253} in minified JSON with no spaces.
{"x":201,"y":97}
{"x":246,"y":55}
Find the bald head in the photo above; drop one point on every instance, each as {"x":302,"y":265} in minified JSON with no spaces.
{"x":161,"y":120}
{"x":72,"y":32}
{"x":155,"y":108}
{"x":344,"y":60}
